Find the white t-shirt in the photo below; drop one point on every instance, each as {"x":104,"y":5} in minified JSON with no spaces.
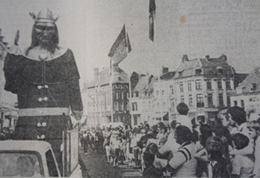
{"x":170,"y":145}
{"x":242,"y":166}
{"x":184,"y":120}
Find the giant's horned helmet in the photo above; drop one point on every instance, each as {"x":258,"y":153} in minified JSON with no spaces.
{"x":44,"y":15}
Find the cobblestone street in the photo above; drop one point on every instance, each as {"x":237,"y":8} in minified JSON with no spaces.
{"x":97,"y":167}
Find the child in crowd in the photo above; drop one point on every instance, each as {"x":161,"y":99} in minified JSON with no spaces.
{"x":182,"y":118}
{"x":242,"y":165}
{"x":254,"y":127}
{"x":218,"y":165}
{"x":149,"y":155}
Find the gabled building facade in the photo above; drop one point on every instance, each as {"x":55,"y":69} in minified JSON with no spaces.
{"x":107,"y":97}
{"x":141,"y":100}
{"x":164,"y":96}
{"x":205,"y":85}
{"x":247,"y":93}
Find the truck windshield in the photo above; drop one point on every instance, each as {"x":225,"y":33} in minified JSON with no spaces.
{"x":20,"y":164}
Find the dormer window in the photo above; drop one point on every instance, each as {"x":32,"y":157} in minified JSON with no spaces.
{"x":254,"y":86}
{"x":220,"y":70}
{"x":198,"y":71}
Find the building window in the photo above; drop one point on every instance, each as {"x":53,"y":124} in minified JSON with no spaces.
{"x":172,"y":90}
{"x":162,"y":92}
{"x":190,"y":100}
{"x":210,"y":100}
{"x":115,"y":106}
{"x":116,"y":95}
{"x":219,"y":83}
{"x":182,"y":99}
{"x":220,"y":99}
{"x":181,"y":86}
{"x":228,"y":86}
{"x":198,"y":71}
{"x":123,"y":105}
{"x":164,"y":104}
{"x":157,"y":93}
{"x":134,"y":106}
{"x":209,"y":85}
{"x":189,"y":85}
{"x":242,"y":104}
{"x":120,"y":106}
{"x":254,"y":86}
{"x":235,"y":103}
{"x":200,"y":102}
{"x":137,"y":94}
{"x":220,"y":70}
{"x":228,"y":100}
{"x":198,"y":84}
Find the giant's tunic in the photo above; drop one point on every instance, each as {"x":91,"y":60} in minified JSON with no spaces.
{"x":46,"y":91}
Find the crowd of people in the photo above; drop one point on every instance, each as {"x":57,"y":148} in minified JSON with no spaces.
{"x":228,"y":146}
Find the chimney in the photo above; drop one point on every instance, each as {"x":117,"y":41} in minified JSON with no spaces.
{"x":96,"y":73}
{"x":207,"y":57}
{"x":185,"y":58}
{"x":223,"y":57}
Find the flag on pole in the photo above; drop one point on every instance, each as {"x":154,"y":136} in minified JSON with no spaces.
{"x":121,"y":47}
{"x":152,"y":8}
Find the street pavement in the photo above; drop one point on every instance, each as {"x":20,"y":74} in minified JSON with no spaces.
{"x":95,"y":165}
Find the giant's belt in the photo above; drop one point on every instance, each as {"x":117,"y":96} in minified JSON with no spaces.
{"x":43,"y":112}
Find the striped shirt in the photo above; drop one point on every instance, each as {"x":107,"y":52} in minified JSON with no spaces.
{"x":183,"y":161}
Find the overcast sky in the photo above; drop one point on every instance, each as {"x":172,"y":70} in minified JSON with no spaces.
{"x":196,"y":28}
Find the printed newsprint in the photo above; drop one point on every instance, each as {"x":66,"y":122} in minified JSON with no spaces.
{"x":129,"y":88}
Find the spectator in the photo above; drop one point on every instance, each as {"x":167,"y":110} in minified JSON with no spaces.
{"x":217,"y":165}
{"x":149,"y":155}
{"x":238,"y":117}
{"x":183,"y":163}
{"x":205,"y":132}
{"x":162,"y":135}
{"x":242,"y":165}
{"x":182,"y":118}
{"x":254,"y":127}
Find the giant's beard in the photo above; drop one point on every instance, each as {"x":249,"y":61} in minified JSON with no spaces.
{"x":47,"y":42}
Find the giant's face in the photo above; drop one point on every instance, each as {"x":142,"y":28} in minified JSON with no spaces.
{"x":45,"y":33}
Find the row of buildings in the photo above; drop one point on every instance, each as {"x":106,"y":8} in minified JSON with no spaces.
{"x":206,"y":85}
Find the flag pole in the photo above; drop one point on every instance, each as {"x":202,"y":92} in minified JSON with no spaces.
{"x":111,"y":86}
{"x":152,"y":15}
{"x":130,"y":86}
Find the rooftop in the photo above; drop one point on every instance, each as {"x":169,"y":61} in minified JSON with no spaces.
{"x":207,"y":67}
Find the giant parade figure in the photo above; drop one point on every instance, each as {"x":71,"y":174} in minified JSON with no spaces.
{"x":46,"y":80}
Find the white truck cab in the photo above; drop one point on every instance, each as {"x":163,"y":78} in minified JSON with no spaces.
{"x":27,"y":159}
